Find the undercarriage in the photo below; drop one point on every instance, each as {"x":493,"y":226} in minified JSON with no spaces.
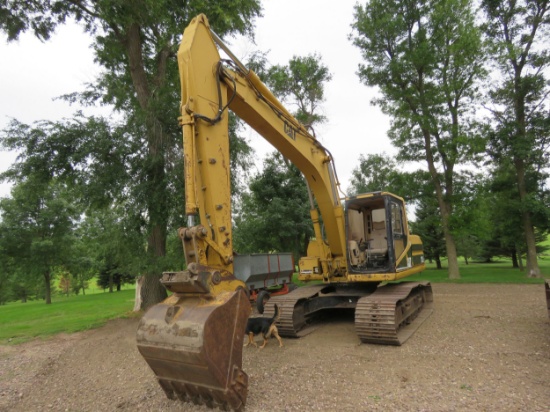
{"x":386,"y":315}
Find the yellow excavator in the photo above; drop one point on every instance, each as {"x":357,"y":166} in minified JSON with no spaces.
{"x":193,"y":340}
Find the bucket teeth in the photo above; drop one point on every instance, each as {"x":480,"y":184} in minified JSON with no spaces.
{"x":232,"y":399}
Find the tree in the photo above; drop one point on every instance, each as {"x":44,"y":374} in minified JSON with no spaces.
{"x":7,"y":277}
{"x":37,"y":226}
{"x":425,"y":57}
{"x":136,"y":42}
{"x":81,"y":265}
{"x":110,"y":276}
{"x":4,"y":288}
{"x":301,"y":83}
{"x":428,"y":227}
{"x":380,"y":172}
{"x":519,"y":36}
{"x":376,"y":172}
{"x":274,"y":215}
{"x":65,"y":281}
{"x":505,"y":212}
{"x":470,"y":221}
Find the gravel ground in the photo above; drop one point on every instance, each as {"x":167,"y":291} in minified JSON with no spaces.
{"x":485,"y":348}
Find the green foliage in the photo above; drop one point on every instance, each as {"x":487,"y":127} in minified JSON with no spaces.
{"x":110,"y":278}
{"x":112,"y":237}
{"x":425,"y":58}
{"x":64,"y":281}
{"x":379,"y":172}
{"x":274,"y":216}
{"x":428,"y":227}
{"x":134,"y":165}
{"x":36,"y":230}
{"x":470,"y":222}
{"x":520,"y":123}
{"x":506,"y":234}
{"x":97,"y":159}
{"x":5,"y":284}
{"x":301,"y":82}
{"x":376,"y":172}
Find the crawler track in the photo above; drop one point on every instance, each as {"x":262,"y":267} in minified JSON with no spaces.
{"x":392,"y":314}
{"x":293,"y":322}
{"x":388,"y":315}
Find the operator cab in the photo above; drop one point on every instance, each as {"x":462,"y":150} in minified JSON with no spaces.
{"x":376,"y":232}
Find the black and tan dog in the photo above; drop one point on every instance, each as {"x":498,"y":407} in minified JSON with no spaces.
{"x":265,"y":326}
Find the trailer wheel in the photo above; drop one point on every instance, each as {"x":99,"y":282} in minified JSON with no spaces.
{"x":261,"y":300}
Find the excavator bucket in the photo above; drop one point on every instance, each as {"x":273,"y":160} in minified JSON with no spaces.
{"x":194,"y":347}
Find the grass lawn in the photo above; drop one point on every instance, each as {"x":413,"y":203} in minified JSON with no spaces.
{"x":23,"y":321}
{"x":497,"y":272}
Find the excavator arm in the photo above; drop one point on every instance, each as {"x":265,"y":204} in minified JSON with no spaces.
{"x":193,"y":340}
{"x":211,"y":86}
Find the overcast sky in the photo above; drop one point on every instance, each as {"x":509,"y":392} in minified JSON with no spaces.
{"x":32,"y":74}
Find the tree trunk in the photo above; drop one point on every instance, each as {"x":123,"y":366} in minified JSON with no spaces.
{"x":445,"y":207}
{"x":438,"y":262}
{"x":520,"y":259}
{"x":452,"y":257}
{"x":152,"y":291}
{"x":533,"y":269}
{"x":515,"y":260}
{"x":466,"y":260}
{"x":47,"y":281}
{"x":139,"y":284}
{"x":110,"y":283}
{"x":520,"y":143}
